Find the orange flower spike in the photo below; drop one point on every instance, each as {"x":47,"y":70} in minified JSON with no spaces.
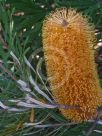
{"x":68,"y":39}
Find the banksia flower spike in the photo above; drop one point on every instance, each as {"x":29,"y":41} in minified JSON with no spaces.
{"x":68,"y":40}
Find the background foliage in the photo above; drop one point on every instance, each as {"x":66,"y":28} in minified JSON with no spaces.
{"x":20,"y":35}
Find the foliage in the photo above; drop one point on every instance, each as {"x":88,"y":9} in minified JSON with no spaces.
{"x":20,"y":37}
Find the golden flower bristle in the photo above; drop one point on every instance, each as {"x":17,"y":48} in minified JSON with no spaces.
{"x":68,"y":39}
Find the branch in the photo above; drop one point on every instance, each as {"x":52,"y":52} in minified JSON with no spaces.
{"x":7,"y":71}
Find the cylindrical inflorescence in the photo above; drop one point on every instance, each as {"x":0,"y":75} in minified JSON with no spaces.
{"x":68,"y":41}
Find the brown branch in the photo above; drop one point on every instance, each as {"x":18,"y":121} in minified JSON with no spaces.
{"x":66,"y":106}
{"x":7,"y":71}
{"x":5,"y":46}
